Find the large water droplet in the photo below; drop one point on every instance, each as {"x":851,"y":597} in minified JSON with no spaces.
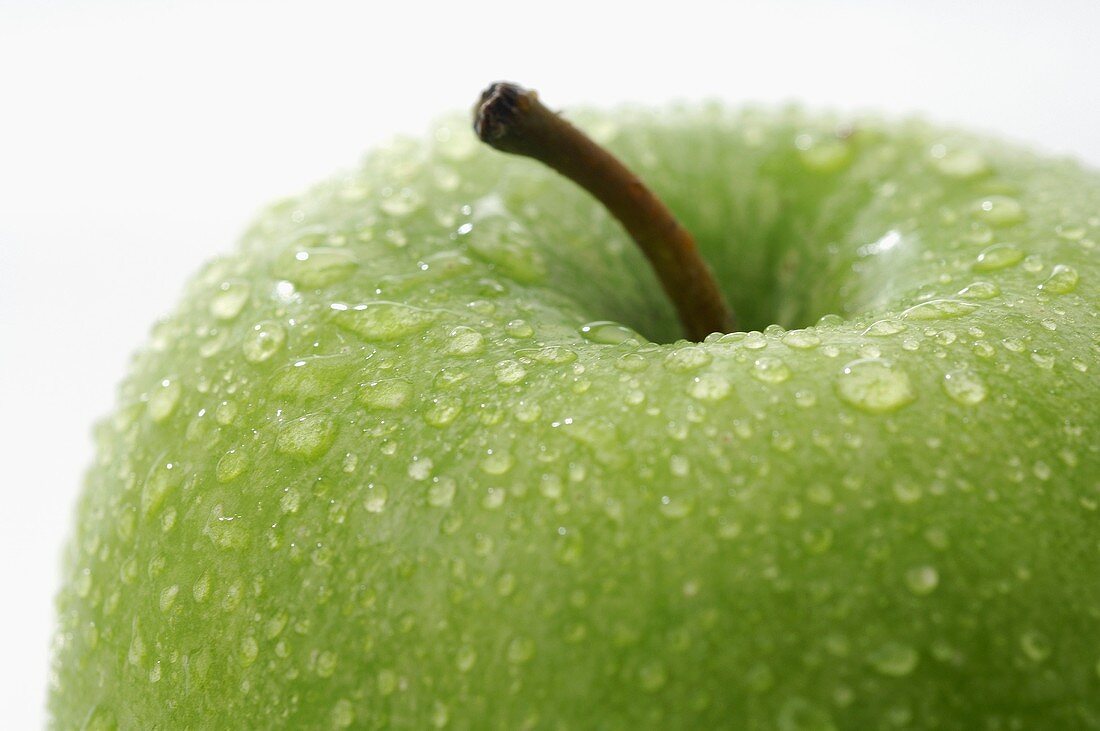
{"x":875,"y":386}
{"x":231,"y":466}
{"x":510,"y":372}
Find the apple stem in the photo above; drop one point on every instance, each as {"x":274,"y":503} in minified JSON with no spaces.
{"x":511,"y":119}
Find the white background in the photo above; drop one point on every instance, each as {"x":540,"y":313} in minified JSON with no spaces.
{"x":138,"y":137}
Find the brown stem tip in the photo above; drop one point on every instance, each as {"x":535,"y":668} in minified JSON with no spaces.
{"x":511,"y":119}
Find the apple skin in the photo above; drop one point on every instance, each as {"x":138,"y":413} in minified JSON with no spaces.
{"x":372,"y":474}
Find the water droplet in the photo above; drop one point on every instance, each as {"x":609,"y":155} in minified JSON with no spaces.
{"x":307,"y":437}
{"x":958,"y":163}
{"x":520,"y":650}
{"x":980,"y":291}
{"x":922,"y":579}
{"x":383,"y":320}
{"x":496,"y":462}
{"x":377,"y":495}
{"x":263,"y":341}
{"x":770,"y":370}
{"x":687,"y":359}
{"x":823,"y":154}
{"x":801,"y":339}
{"x":964,"y":387}
{"x":998,"y":256}
{"x":231,"y":466}
{"x":709,"y":387}
{"x":799,"y":714}
{"x":163,"y":400}
{"x":465,"y":341}
{"x":390,"y":393}
{"x":343,"y":714}
{"x":316,"y":267}
{"x":442,"y":411}
{"x":939,"y":310}
{"x":465,"y":658}
{"x":894,"y":659}
{"x":652,"y":676}
{"x":442,"y":492}
{"x":248,"y":651}
{"x":230,"y":299}
{"x":874,"y":386}
{"x":510,"y":372}
{"x":1036,"y":646}
{"x":519,"y":329}
{"x":400,"y":202}
{"x":885,"y":328}
{"x":508,"y":246}
{"x":608,"y":333}
{"x":1062,"y":280}
{"x":999,"y":210}
{"x":387,"y":682}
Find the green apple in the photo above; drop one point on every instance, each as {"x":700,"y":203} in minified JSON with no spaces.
{"x":427,"y":451}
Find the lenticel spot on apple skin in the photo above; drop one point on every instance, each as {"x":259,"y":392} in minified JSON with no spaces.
{"x":429,"y":448}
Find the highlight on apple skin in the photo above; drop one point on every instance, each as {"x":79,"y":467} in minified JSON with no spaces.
{"x":427,"y":451}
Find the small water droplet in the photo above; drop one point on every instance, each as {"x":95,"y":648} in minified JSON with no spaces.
{"x":307,"y":437}
{"x":376,"y":499}
{"x":980,"y":291}
{"x":263,"y":341}
{"x":874,"y":386}
{"x":389,"y":393}
{"x":998,"y":256}
{"x":163,"y":399}
{"x":1036,"y":646}
{"x":442,"y":492}
{"x":230,"y":299}
{"x":964,"y":387}
{"x":343,"y":714}
{"x":770,"y":370}
{"x":958,"y":163}
{"x":520,"y":650}
{"x":922,"y":580}
{"x":999,"y":210}
{"x":686,"y":359}
{"x":801,"y":339}
{"x":442,"y":411}
{"x":510,"y":372}
{"x":939,"y":310}
{"x":383,"y":320}
{"x":894,"y":659}
{"x":1062,"y":280}
{"x":652,"y":676}
{"x":885,"y":328}
{"x":400,"y":202}
{"x":231,"y":466}
{"x":604,"y":332}
{"x":496,"y":462}
{"x":709,"y":387}
{"x":519,"y":329}
{"x":316,"y":267}
{"x":465,"y":341}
